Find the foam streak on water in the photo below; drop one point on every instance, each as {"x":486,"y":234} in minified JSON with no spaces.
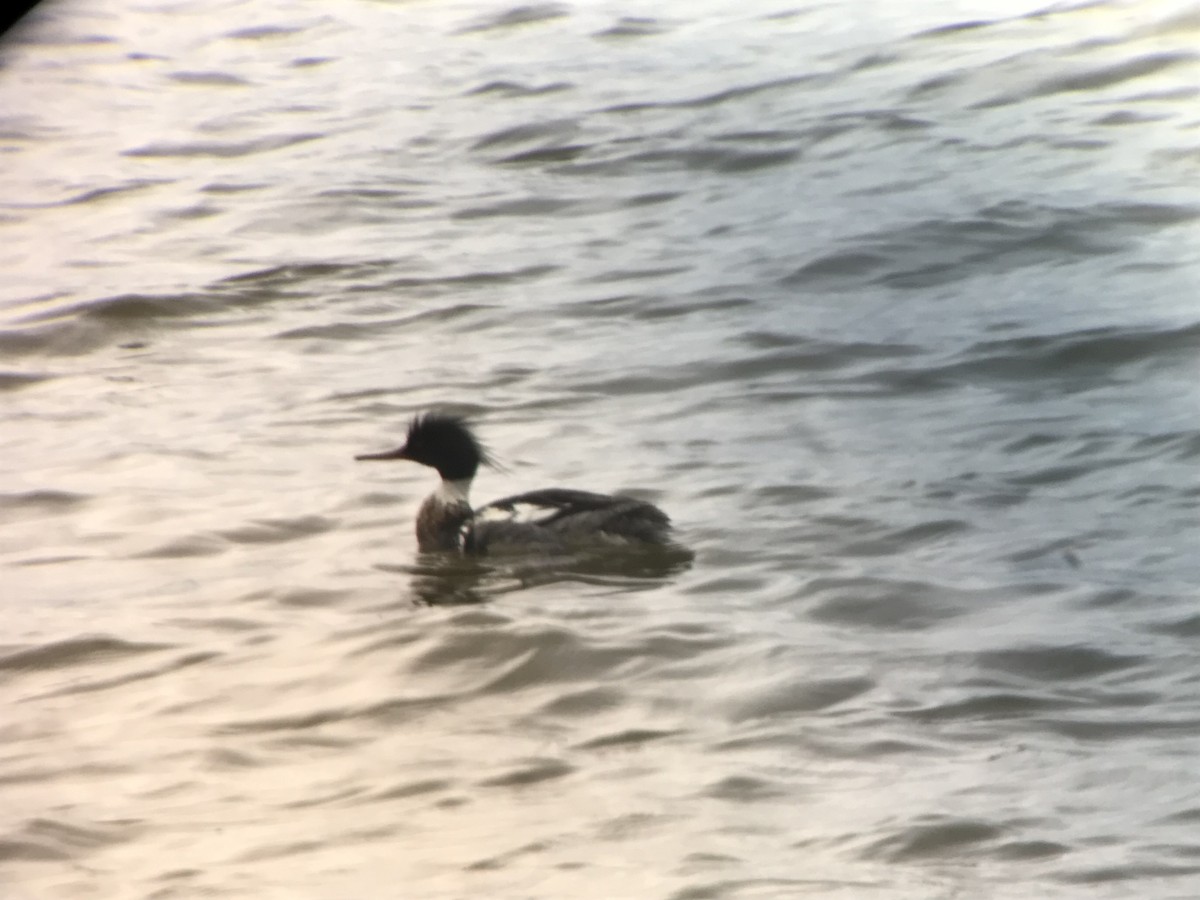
{"x":891,"y":306}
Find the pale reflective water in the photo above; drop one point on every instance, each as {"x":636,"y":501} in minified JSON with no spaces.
{"x":893,"y":307}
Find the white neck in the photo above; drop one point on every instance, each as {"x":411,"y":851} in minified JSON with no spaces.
{"x":450,"y":492}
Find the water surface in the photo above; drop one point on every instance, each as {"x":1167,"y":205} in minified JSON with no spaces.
{"x":891,"y":306}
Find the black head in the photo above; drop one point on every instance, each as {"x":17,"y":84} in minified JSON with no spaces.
{"x":440,"y":441}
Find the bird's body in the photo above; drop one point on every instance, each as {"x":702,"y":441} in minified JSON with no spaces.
{"x":552,"y":519}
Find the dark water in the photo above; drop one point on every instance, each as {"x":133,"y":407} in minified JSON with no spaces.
{"x":893,"y":307}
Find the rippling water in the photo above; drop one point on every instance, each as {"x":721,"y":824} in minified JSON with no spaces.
{"x":893,"y":307}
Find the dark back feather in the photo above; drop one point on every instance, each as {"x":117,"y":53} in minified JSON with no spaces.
{"x":565,"y":517}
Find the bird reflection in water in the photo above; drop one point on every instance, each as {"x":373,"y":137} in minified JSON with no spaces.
{"x":445,"y":579}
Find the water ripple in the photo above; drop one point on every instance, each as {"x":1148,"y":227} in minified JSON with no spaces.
{"x":221,"y":149}
{"x":531,"y":14}
{"x":74,"y":652}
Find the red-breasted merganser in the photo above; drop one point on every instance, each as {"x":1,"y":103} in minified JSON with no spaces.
{"x":561,"y":518}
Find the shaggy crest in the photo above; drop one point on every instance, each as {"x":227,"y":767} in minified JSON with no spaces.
{"x":445,"y":442}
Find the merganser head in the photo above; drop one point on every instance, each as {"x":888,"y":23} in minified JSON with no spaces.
{"x":440,"y":441}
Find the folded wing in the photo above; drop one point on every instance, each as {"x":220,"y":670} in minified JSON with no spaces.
{"x":563,"y":517}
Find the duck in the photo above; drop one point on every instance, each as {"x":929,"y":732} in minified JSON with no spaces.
{"x":549,"y":519}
